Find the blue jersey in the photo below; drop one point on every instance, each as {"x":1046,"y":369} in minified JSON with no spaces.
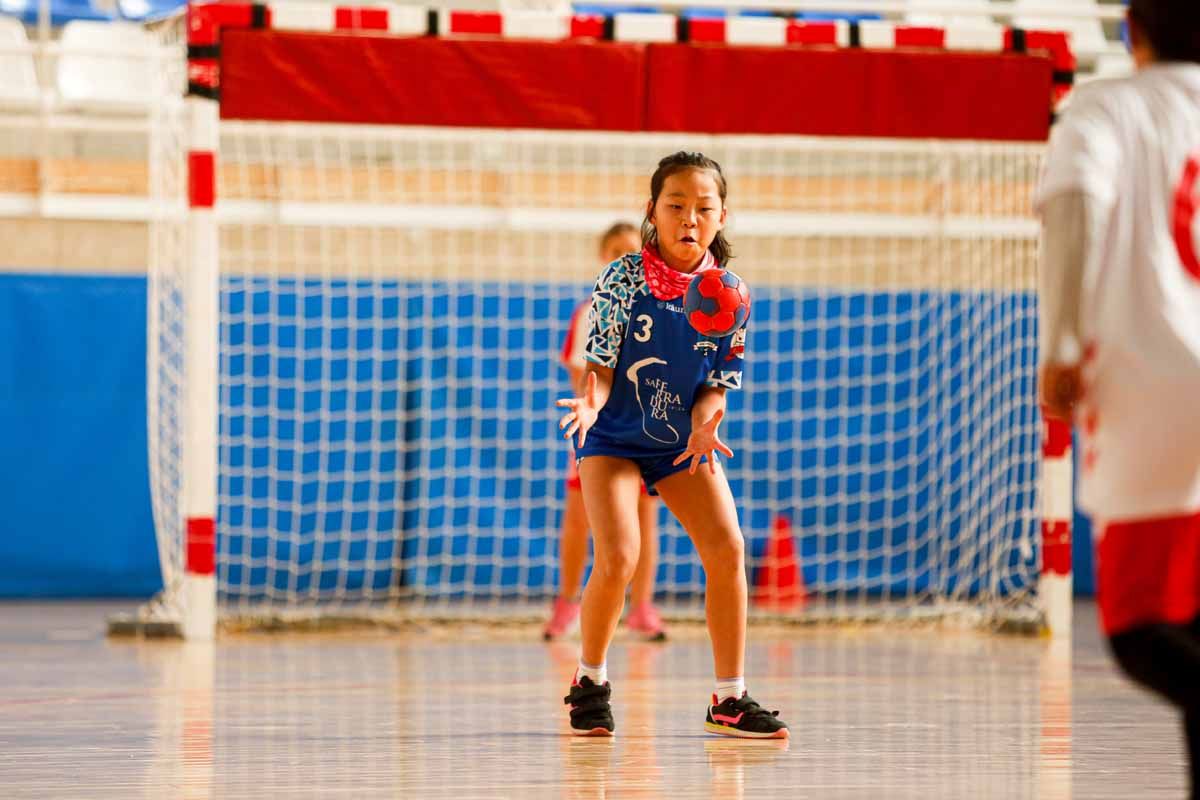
{"x":659,"y":360}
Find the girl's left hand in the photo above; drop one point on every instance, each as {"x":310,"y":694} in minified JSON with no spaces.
{"x":703,"y":442}
{"x":583,"y":413}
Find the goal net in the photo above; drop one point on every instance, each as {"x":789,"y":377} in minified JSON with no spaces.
{"x":393,"y":300}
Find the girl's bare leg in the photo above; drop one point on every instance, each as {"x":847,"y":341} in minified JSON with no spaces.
{"x":610,"y":493}
{"x":704,"y":506}
{"x":642,"y":588}
{"x":573,"y":548}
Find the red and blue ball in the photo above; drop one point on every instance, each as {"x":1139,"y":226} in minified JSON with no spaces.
{"x":716,"y":302}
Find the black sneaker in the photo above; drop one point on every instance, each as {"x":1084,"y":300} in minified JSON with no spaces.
{"x":591,"y":714}
{"x":744,"y":718}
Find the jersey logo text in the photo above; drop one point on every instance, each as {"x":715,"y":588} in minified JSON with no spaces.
{"x":659,"y":400}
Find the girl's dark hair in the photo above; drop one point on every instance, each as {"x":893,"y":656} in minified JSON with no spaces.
{"x":1172,"y":26}
{"x":721,"y":249}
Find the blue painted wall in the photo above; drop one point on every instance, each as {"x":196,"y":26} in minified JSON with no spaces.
{"x":73,"y":478}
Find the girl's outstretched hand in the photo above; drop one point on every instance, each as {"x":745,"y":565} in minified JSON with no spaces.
{"x":583,"y":411}
{"x":703,"y":442}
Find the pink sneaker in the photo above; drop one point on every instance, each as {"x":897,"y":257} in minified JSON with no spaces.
{"x":563,"y":617}
{"x":644,"y":619}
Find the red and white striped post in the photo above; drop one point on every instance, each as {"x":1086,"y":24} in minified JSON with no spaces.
{"x":200,"y":333}
{"x":1055,"y":586}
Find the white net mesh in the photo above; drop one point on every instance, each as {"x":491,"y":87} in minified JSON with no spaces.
{"x":393,"y":303}
{"x":166,"y":172}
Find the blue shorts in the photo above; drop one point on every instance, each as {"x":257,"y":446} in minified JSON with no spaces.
{"x":653,"y":468}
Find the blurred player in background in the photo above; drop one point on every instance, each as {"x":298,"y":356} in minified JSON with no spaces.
{"x":643,"y":618}
{"x":649,"y":413}
{"x":1120,"y":301}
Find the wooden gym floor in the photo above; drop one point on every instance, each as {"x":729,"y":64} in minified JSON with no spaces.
{"x":471,"y":713}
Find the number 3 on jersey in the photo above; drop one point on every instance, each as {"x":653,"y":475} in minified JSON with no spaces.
{"x":1184,"y":216}
{"x":647,"y":323}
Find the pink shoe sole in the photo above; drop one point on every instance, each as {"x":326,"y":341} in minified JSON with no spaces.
{"x":726,"y":730}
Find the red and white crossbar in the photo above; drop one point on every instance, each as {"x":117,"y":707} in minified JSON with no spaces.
{"x":387,"y":18}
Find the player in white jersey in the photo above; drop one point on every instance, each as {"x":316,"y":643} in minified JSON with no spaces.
{"x":643,"y":618}
{"x":1120,"y":300}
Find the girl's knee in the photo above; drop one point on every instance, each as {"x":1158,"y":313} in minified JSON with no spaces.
{"x":617,"y":564}
{"x":727,"y":553}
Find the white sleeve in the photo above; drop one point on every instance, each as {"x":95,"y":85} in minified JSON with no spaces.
{"x":1084,"y":153}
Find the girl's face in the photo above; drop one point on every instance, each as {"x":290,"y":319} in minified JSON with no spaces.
{"x":616,"y":246}
{"x":687,"y":217}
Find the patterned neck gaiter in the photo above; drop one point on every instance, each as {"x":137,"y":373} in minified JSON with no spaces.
{"x":667,"y":283}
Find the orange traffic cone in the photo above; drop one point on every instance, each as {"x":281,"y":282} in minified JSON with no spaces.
{"x":779,"y":585}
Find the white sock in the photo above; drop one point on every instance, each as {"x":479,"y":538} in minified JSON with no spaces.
{"x":730,"y":687}
{"x":599,"y":675}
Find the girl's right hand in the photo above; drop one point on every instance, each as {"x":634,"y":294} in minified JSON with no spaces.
{"x":583,"y":411}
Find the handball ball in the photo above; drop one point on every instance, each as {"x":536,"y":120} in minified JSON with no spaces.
{"x":716,"y":302}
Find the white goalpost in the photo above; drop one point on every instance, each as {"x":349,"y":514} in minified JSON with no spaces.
{"x":353,"y":334}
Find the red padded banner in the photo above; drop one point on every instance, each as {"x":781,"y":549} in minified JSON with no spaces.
{"x":321,"y":77}
{"x":848,"y":92}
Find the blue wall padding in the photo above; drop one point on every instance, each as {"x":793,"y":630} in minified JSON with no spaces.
{"x":72,"y":359}
{"x":466,"y":336}
{"x":73,"y":478}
